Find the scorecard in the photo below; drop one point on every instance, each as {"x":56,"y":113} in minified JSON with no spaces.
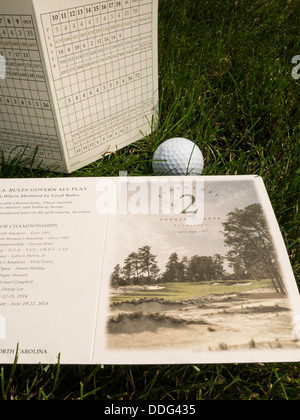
{"x":80,"y":78}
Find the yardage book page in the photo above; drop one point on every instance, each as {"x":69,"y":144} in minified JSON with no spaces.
{"x":81,"y":78}
{"x":144,"y":270}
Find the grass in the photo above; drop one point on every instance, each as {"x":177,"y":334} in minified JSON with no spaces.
{"x":225,"y":82}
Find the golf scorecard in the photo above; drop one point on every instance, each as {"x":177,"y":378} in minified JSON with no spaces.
{"x":78,"y":79}
{"x":144,"y":270}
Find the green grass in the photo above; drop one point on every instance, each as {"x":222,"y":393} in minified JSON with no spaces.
{"x":178,"y":291}
{"x":225,"y":82}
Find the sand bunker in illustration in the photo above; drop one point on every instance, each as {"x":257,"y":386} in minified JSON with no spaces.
{"x":139,"y":322}
{"x":250,"y":319}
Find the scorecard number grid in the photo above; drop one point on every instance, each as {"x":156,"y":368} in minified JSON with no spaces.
{"x":101,"y":58}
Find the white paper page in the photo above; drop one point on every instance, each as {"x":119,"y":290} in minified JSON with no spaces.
{"x":204,"y":315}
{"x":101,"y":59}
{"x":51,"y":249}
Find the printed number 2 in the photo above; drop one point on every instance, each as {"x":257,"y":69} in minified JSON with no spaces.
{"x":193,"y":199}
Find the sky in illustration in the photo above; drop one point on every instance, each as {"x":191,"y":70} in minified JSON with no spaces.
{"x":165,"y":235}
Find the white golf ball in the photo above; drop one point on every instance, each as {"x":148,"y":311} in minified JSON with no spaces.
{"x":177,"y":156}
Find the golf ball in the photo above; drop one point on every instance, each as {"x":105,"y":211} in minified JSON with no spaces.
{"x":177,"y":156}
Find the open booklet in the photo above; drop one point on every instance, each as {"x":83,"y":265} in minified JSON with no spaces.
{"x":146,"y":270}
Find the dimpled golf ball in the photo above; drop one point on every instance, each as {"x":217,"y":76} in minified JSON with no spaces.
{"x":177,"y":156}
